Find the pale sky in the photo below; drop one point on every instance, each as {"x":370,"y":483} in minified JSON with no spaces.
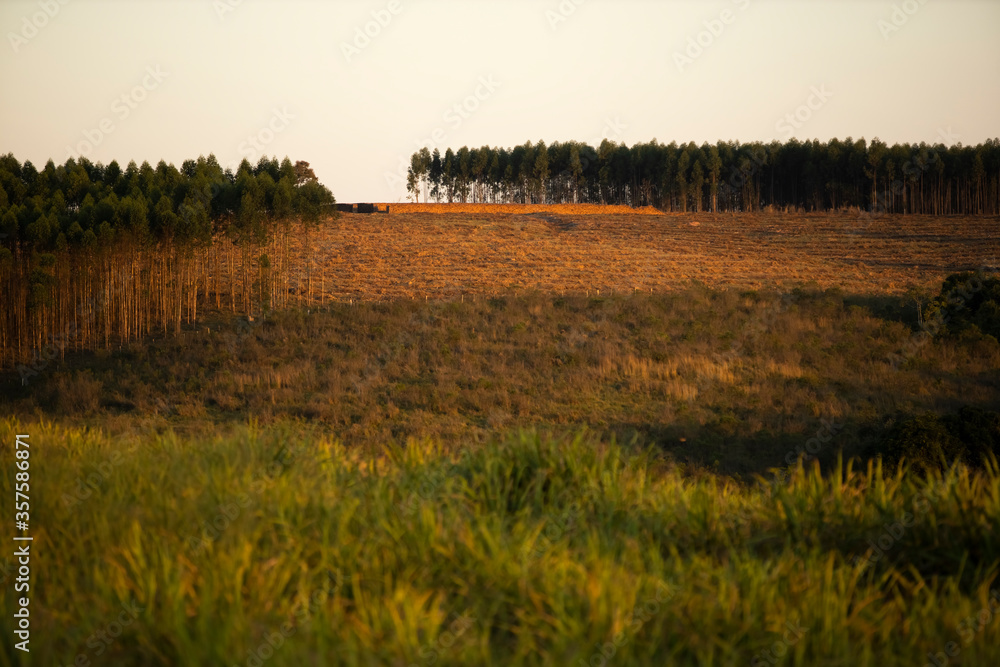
{"x":150,"y":80}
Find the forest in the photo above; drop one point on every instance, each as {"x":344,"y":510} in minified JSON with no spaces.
{"x":727,"y":176}
{"x":93,"y":254}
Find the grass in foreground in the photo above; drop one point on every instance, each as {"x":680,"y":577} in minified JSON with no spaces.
{"x":279,"y":546}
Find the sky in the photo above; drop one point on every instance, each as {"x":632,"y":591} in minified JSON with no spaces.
{"x":355,"y":87}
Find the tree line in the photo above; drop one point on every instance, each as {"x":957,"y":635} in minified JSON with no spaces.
{"x":725,"y":176}
{"x":93,"y":255}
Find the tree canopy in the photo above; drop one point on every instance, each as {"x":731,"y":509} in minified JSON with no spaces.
{"x":726,"y":176}
{"x":81,"y":203}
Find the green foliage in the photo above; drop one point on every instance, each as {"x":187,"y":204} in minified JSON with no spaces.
{"x":8,"y":223}
{"x":933,"y":442}
{"x":165,"y":220}
{"x":924,"y":442}
{"x":726,"y":176}
{"x":41,"y":282}
{"x":979,"y":432}
{"x":968,"y":301}
{"x":78,"y":203}
{"x":549,"y":548}
{"x":310,"y":199}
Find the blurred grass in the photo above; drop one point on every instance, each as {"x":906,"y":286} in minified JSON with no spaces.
{"x":522,"y":550}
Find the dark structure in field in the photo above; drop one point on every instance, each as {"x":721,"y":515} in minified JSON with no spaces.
{"x":362,"y":208}
{"x":371,"y":208}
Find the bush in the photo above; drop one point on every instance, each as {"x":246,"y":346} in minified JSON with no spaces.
{"x":967,"y":301}
{"x":77,"y":394}
{"x":978,"y":430}
{"x":924,"y":442}
{"x":933,"y":442}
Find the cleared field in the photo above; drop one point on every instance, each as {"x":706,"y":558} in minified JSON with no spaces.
{"x":491,"y":209}
{"x":430,"y":255}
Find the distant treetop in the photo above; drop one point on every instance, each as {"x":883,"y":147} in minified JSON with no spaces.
{"x":82,"y":203}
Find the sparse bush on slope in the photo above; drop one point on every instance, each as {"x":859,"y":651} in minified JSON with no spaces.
{"x":968,"y":303}
{"x":929,"y":442}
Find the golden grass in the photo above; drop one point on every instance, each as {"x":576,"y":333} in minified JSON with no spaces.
{"x":423,"y":255}
{"x":488,"y":209}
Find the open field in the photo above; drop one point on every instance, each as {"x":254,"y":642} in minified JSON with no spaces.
{"x":699,"y":366}
{"x":463,"y":458}
{"x":726,"y":380}
{"x":423,"y":255}
{"x":519,"y":209}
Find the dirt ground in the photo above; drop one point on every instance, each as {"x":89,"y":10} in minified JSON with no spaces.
{"x":427,"y":255}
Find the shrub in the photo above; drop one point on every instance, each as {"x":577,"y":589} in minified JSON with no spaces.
{"x":967,"y":301}
{"x":80,"y":393}
{"x":924,"y":442}
{"x":933,"y":442}
{"x":978,"y":430}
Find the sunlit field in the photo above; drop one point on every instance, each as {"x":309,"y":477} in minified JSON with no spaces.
{"x":367,"y":334}
{"x":471,"y":468}
{"x":447,"y":255}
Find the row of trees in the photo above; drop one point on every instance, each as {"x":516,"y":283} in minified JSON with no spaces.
{"x":81,"y":203}
{"x":726,"y":176}
{"x":93,"y":255}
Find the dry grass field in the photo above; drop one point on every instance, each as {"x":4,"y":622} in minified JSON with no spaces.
{"x":524,"y":477}
{"x":428,"y":255}
{"x":515,"y":209}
